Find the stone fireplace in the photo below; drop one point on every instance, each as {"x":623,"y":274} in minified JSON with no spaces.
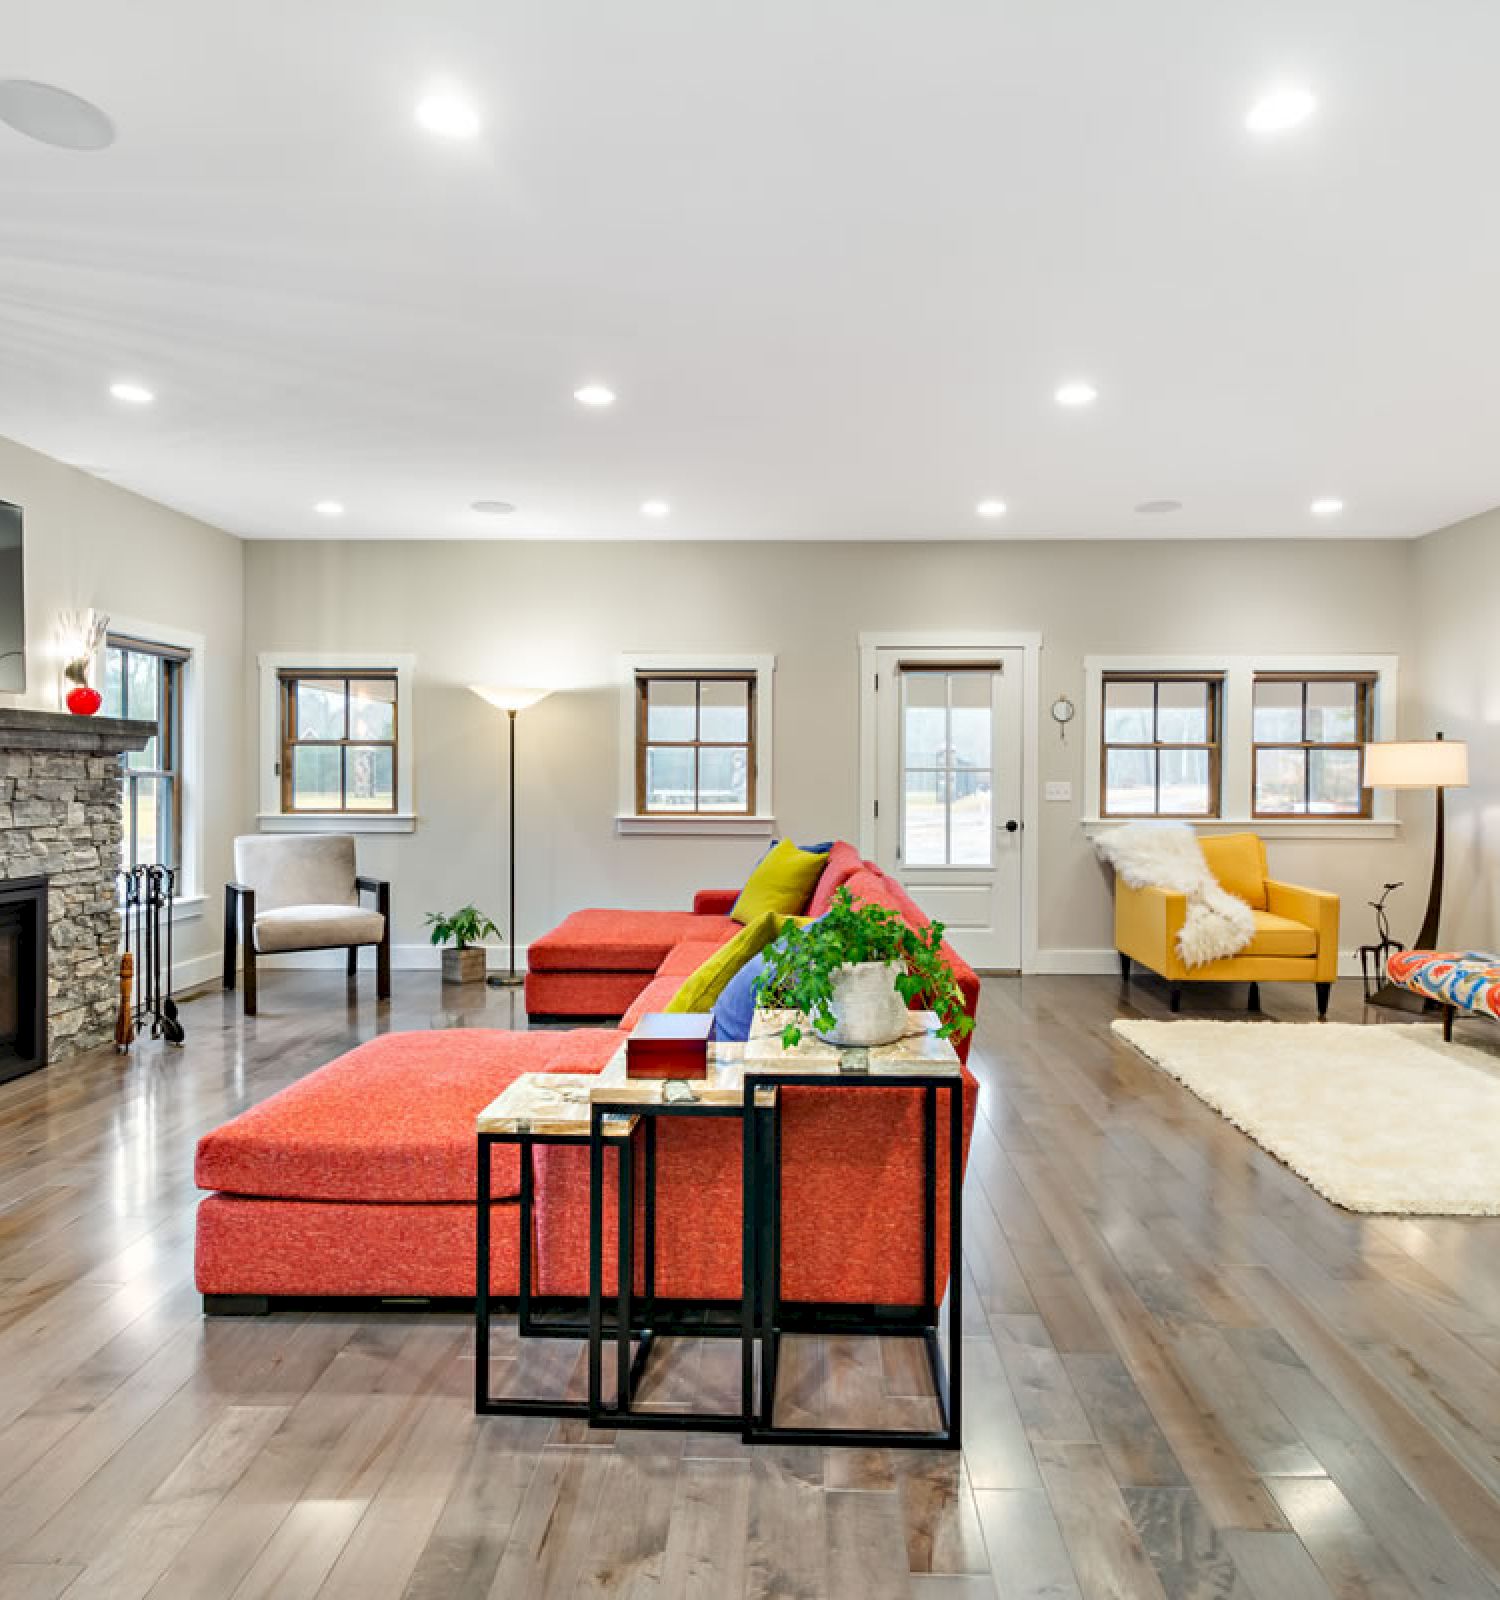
{"x":59,"y":850}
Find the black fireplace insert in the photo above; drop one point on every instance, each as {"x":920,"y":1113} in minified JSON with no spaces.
{"x":23,"y":976}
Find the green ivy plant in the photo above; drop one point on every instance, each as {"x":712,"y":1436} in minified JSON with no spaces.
{"x":463,"y":927}
{"x":801,"y":965}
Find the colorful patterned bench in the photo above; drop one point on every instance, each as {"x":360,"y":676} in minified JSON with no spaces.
{"x":1457,"y":980}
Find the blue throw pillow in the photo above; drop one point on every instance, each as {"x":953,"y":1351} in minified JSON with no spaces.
{"x":809,"y":849}
{"x":734,"y":1010}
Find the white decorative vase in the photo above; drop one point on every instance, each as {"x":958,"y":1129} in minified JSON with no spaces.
{"x":867,"y":1009}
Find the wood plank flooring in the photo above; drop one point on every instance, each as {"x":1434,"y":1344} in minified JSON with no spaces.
{"x":1186,"y":1375}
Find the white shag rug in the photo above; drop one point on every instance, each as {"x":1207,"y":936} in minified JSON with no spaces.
{"x":1384,"y":1118}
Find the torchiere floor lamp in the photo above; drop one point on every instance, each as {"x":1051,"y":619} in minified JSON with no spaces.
{"x":1419,"y":764}
{"x":510,"y":701}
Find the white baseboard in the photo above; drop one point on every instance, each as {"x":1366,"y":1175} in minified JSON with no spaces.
{"x":1102,"y":963}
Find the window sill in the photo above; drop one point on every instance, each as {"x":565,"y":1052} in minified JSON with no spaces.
{"x":738,"y":827}
{"x":1266,"y":827}
{"x":381,"y":822}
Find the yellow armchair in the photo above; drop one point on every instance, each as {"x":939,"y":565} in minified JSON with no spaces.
{"x":1296,"y":928}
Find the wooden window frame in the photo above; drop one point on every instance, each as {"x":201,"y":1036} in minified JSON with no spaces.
{"x":1364,"y":683}
{"x":643,"y":679}
{"x":1214,"y":683}
{"x":287,"y":679}
{"x":171,"y":662}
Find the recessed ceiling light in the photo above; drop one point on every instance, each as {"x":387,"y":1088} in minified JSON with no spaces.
{"x":448,"y":114}
{"x":133,"y":394}
{"x":56,"y":117}
{"x":1327,"y":506}
{"x":990,"y":508}
{"x":1077,"y":393}
{"x":1280,"y":109}
{"x":492,"y":508}
{"x":329,"y":508}
{"x":1158,"y":508}
{"x":655,"y":508}
{"x":594,"y":394}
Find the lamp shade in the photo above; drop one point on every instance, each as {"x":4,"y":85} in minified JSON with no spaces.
{"x":508,"y":697}
{"x":1417,"y":764}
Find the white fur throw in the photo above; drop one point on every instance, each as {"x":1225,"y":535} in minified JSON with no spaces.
{"x":1159,"y":855}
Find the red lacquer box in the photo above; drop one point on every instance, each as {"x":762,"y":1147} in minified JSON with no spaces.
{"x":669,"y":1045}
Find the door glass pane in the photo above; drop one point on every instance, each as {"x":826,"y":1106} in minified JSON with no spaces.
{"x":1127,"y":713}
{"x":1279,"y":781}
{"x":669,"y":780}
{"x":319,"y":709}
{"x":1333,"y":779}
{"x":1278,"y":712}
{"x":925,"y":719}
{"x":970,"y":724}
{"x":971,"y":721}
{"x":924,"y":818}
{"x":1182,"y":713}
{"x":1332,"y":713}
{"x":724,"y":712}
{"x":315,"y":777}
{"x":369,"y":777}
{"x":372,"y":708}
{"x":1184,"y":783}
{"x":671,"y":709}
{"x":1130,"y":783}
{"x":723,"y":780}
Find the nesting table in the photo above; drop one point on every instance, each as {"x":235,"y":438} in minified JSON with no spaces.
{"x":614,"y":1114}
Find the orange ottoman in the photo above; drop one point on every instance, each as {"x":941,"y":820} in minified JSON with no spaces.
{"x":359,"y":1178}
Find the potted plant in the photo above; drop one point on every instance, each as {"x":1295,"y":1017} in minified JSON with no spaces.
{"x":464,"y":928}
{"x":854,"y":973}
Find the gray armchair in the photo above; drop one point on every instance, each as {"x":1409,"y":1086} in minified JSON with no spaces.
{"x":301,"y":892}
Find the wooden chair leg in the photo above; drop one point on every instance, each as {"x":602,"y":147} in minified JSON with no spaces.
{"x":352,"y":965}
{"x":383,"y":964}
{"x":251,"y":993}
{"x":231,"y":939}
{"x":1174,"y":997}
{"x":1325,"y":990}
{"x":1448,"y":1015}
{"x":1124,"y":967}
{"x":1255,"y":997}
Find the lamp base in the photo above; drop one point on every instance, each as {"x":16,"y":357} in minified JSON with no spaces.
{"x":1395,"y":999}
{"x":506,"y":980}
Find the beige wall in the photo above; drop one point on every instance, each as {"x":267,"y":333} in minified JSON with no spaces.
{"x":1459,"y":682}
{"x":89,"y":543}
{"x":563,"y":613}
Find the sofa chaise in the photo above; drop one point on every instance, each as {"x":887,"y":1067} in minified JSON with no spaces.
{"x":358,"y":1180}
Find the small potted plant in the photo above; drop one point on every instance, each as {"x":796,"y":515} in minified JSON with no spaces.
{"x":465,"y":962}
{"x":854,"y":974}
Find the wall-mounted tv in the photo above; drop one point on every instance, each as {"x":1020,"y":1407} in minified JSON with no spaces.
{"x":12,"y":602}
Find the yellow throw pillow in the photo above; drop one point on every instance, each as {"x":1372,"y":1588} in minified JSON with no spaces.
{"x":700,"y":991}
{"x":1238,"y":861}
{"x":784,"y":881}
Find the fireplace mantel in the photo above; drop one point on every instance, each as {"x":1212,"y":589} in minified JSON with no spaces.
{"x":22,"y":729}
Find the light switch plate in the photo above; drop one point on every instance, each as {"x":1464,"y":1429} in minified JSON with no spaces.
{"x":1059,"y":791}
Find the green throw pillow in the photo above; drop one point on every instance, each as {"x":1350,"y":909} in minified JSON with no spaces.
{"x":703,"y":988}
{"x":784,"y":881}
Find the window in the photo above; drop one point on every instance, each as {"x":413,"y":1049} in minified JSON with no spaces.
{"x":947,"y":766}
{"x":1308,"y":734}
{"x":1160,"y":751}
{"x":695,"y":744}
{"x":144,"y":681}
{"x":338,"y":741}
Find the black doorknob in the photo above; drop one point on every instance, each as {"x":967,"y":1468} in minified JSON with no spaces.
{"x":1012,"y":826}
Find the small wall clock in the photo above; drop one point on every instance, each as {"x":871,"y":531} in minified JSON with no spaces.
{"x":1063,"y":712}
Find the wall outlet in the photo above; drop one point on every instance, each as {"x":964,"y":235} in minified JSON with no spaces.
{"x":1059,"y":791}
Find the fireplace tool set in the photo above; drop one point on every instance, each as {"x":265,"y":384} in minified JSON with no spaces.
{"x":149,"y":893}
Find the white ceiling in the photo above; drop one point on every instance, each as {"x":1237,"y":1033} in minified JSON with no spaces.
{"x":834,"y":255}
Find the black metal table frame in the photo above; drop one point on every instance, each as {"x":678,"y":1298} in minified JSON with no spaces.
{"x":761,"y":1286}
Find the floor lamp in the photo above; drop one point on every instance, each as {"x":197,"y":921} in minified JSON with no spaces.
{"x":1436,"y":764}
{"x":510,"y":701}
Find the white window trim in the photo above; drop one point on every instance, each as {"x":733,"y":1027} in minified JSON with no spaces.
{"x":762,"y":820}
{"x":1235,"y":800}
{"x":190,"y":899}
{"x":271,"y":818}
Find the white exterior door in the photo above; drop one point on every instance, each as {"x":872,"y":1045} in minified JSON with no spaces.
{"x":949,"y":743}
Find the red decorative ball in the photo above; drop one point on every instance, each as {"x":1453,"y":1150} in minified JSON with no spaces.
{"x":84,"y":701}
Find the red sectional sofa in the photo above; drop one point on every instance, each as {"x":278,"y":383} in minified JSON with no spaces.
{"x":358,"y":1179}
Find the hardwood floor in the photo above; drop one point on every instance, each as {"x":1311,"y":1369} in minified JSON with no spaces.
{"x":1186,"y":1375}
